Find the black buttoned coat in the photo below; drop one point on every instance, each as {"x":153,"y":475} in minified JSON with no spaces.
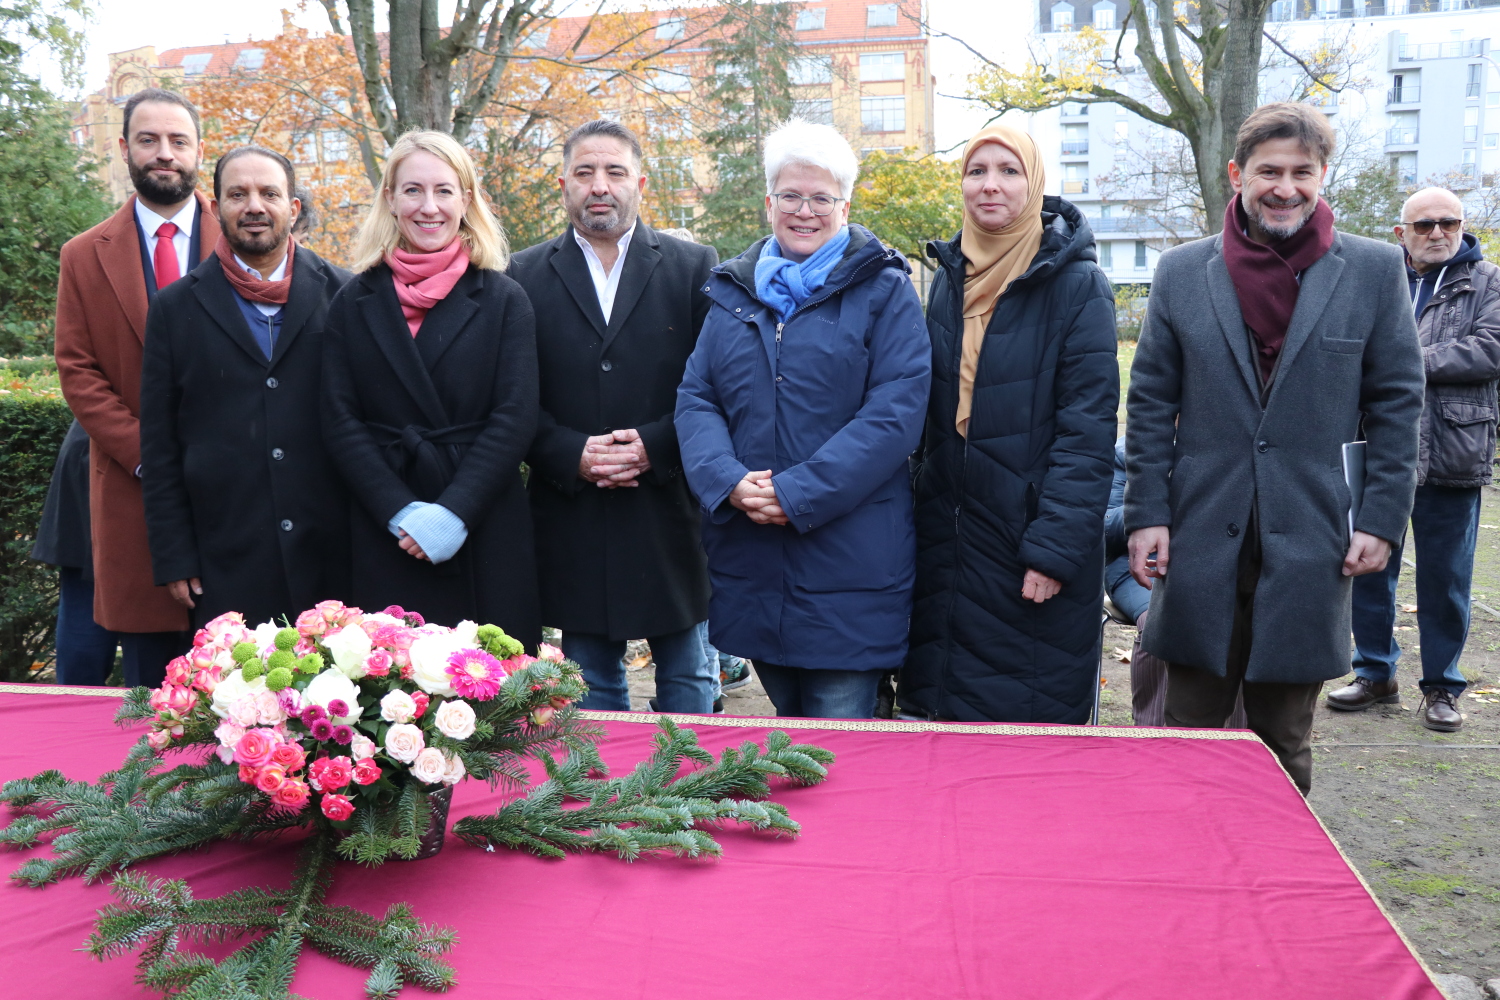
{"x":238,"y":488}
{"x":625,"y":562}
{"x":443,"y":417}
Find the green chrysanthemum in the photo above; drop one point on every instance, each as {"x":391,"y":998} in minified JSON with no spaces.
{"x":286,"y":639}
{"x":279,"y":678}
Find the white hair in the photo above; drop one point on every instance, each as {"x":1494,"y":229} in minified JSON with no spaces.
{"x":799,"y":141}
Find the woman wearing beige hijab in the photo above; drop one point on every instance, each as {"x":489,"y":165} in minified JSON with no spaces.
{"x":1017,"y":460}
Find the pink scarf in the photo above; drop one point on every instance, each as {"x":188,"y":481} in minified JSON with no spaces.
{"x":424,"y":279}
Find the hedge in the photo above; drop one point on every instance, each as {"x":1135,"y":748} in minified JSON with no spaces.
{"x":33,"y":421}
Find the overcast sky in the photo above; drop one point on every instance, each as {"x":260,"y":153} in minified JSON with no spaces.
{"x":995,"y":27}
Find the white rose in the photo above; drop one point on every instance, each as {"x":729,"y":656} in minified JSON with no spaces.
{"x":455,"y":719}
{"x":332,"y":685}
{"x":467,"y":631}
{"x":429,"y":766}
{"x":231,"y":689}
{"x":398,"y":706}
{"x":380,"y":618}
{"x":429,"y":661}
{"x":455,"y":771}
{"x":362,"y":747}
{"x":348,"y":646}
{"x":403,"y":742}
{"x":264,"y":638}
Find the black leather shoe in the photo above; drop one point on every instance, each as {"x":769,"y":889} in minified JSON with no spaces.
{"x":1440,"y":711}
{"x":1363,"y":693}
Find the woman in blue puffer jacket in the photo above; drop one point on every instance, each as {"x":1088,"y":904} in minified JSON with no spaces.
{"x":803,"y":399}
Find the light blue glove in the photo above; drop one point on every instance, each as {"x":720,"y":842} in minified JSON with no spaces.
{"x":439,"y":531}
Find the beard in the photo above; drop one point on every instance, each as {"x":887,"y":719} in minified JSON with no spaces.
{"x":255,"y":244}
{"x":162,"y":192}
{"x":614,"y":222}
{"x":1287,"y":230}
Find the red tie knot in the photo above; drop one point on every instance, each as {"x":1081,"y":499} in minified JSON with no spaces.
{"x":166,"y":230}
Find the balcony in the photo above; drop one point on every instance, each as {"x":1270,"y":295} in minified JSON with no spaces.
{"x":1468,"y":48}
{"x":1075,"y":148}
{"x":1401,"y":136}
{"x":1076,"y":187}
{"x":1403,"y":95}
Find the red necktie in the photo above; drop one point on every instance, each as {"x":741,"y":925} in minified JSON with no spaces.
{"x":165,"y":259}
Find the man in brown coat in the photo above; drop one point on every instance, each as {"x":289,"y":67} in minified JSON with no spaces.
{"x":107,"y":279}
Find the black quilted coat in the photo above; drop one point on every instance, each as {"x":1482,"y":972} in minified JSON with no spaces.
{"x":1027,"y":489}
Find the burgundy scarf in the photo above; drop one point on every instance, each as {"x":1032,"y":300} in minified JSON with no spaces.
{"x":251,"y":287}
{"x":424,"y":279}
{"x":1265,"y":277}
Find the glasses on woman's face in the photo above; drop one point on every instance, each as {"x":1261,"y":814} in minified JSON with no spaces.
{"x":791,"y":204}
{"x":1424,"y":226}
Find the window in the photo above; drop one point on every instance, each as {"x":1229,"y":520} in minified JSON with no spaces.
{"x":1471,"y":124}
{"x":1281,"y":10}
{"x":670,"y":80}
{"x":537,"y":39}
{"x":883,"y":114}
{"x":250,"y":59}
{"x":1062,"y":17}
{"x":335,"y":147}
{"x":669,"y":124}
{"x":1075,"y":178}
{"x":671,"y":173}
{"x":880,"y":15}
{"x":1492,"y":140}
{"x":1075,"y":140}
{"x":1104,"y":15}
{"x":810,"y":70}
{"x":1072,"y":109}
{"x":1106,"y":255}
{"x":812,"y":19}
{"x":1140,"y":255}
{"x":882,"y":66}
{"x":1476,"y":79}
{"x":819,"y":112}
{"x":672,"y":27}
{"x":681,"y":216}
{"x":195,"y":63}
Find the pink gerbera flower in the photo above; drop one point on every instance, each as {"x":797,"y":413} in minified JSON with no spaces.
{"x":476,"y":674}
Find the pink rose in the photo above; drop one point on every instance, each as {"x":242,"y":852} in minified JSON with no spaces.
{"x":243,"y":711}
{"x":178,"y":672}
{"x":270,"y":778}
{"x":182,"y":700}
{"x":255,"y":747}
{"x":268,"y":708}
{"x":293,"y":794}
{"x":230,"y":624}
{"x":361,"y":747}
{"x":550,"y":652}
{"x":429,"y":766}
{"x":379,"y":663}
{"x":311,"y":623}
{"x":160,"y":696}
{"x":248,"y":773}
{"x":207,"y":680}
{"x":331,"y":773}
{"x":332,"y":611}
{"x":337,"y":807}
{"x":454,"y":772}
{"x":229,"y":734}
{"x":542,"y":716}
{"x":158,"y":739}
{"x":289,"y":756}
{"x":421,"y":700}
{"x":366,"y":772}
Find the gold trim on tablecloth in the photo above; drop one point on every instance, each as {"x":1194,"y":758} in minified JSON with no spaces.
{"x":85,"y":692}
{"x":897,"y":726}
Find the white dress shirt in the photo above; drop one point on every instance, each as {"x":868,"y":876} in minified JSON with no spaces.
{"x":183,"y":220}
{"x":266,"y":308}
{"x":605,"y":285}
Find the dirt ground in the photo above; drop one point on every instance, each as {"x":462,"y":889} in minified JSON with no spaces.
{"x":1417,"y":812}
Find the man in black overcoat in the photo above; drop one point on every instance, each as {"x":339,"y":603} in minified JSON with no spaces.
{"x":244,"y":508}
{"x":618,"y":309}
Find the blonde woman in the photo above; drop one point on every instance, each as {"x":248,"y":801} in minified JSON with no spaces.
{"x":430,"y":388}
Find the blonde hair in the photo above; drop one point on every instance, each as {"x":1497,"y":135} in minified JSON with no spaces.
{"x":479,"y":230}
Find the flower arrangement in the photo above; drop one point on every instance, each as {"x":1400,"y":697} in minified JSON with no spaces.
{"x":339,"y":712}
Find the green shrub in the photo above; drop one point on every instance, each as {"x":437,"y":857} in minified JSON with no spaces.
{"x":33,"y":421}
{"x":1130,"y":311}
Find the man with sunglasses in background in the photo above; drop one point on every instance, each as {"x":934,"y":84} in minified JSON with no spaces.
{"x":1455,"y":296}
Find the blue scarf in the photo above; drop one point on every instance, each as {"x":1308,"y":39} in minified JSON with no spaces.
{"x":784,"y":284}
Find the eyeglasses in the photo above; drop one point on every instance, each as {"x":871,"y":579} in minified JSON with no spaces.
{"x":791,"y":204}
{"x":1424,"y":226}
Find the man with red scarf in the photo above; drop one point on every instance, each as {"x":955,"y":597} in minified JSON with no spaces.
{"x":244,"y":509}
{"x":1265,"y":349}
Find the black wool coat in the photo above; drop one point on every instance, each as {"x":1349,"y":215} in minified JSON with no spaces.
{"x":1027,"y":489}
{"x":63,"y":537}
{"x":238,"y":488}
{"x":444,"y":417}
{"x":625,"y":562}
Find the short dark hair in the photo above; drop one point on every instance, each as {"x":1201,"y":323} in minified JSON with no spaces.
{"x":270,"y":154}
{"x":159,"y":96}
{"x":606,"y":128}
{"x":308,"y":218}
{"x":1285,"y":120}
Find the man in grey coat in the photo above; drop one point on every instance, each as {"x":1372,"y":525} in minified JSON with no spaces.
{"x":1264,"y":349}
{"x":1455,"y":295}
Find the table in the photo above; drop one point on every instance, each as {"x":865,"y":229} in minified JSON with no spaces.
{"x":938,"y":861}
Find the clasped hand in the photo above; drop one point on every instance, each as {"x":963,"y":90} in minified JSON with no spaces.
{"x":757,"y":498}
{"x":613,"y":460}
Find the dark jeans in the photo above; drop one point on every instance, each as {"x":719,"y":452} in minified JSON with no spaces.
{"x":1445,"y":527}
{"x":85,"y":649}
{"x":685,"y":678}
{"x":1280,"y":714}
{"x":819,"y":694}
{"x":144,"y":655}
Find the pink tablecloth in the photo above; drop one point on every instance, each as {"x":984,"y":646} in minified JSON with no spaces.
{"x":932,"y":864}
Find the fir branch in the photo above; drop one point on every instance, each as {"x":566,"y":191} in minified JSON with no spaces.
{"x":651,"y":810}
